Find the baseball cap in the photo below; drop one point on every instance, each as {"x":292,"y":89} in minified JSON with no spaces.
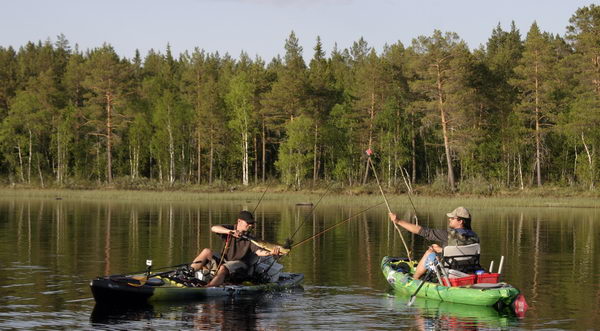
{"x":246,"y":216}
{"x":461,"y":212}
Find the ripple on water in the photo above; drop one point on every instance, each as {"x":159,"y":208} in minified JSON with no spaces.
{"x":17,"y":285}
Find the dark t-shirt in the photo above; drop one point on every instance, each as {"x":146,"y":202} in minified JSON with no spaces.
{"x":438,"y":235}
{"x":442,"y":235}
{"x":240,"y":249}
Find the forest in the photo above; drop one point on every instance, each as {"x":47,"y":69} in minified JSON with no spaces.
{"x":521,"y":111}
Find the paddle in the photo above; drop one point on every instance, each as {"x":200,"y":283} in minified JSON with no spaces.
{"x":412,"y":297}
{"x":369,"y":152}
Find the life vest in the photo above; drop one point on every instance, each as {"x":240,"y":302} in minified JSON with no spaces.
{"x":462,"y":237}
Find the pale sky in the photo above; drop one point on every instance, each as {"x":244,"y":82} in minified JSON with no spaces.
{"x":260,"y":27}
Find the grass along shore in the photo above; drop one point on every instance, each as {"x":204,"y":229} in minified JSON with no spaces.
{"x":366,"y":195}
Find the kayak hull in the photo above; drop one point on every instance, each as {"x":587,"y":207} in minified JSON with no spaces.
{"x":110,"y":289}
{"x":500,"y":295}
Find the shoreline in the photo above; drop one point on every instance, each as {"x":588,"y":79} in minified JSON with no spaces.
{"x":275,"y":194}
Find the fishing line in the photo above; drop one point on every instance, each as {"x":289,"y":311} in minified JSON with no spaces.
{"x":261,"y":197}
{"x":388,"y":205}
{"x":409,"y":192}
{"x":335,"y":225}
{"x":309,"y":213}
{"x":288,"y":242}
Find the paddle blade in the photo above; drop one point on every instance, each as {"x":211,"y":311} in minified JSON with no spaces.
{"x":411,"y":300}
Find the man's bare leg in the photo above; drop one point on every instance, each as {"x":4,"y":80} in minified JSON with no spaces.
{"x":202,"y":259}
{"x":219,"y":277}
{"x":420,"y":270}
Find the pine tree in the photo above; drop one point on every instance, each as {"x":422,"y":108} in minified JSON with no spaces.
{"x":107,"y":81}
{"x":8,"y":78}
{"x":322,"y":96}
{"x":534,"y":77}
{"x":583,"y":33}
{"x":503,"y":52}
{"x":441,"y":69}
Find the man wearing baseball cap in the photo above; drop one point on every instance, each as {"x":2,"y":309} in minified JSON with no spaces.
{"x":238,"y":251}
{"x":458,"y":233}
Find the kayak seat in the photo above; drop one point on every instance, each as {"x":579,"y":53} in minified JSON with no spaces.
{"x":462,"y":258}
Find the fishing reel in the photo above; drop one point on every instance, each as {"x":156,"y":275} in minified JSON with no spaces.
{"x":288,"y":243}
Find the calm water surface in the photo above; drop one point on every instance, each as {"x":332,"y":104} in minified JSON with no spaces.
{"x":50,"y":249}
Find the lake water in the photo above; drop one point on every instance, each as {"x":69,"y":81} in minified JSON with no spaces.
{"x":50,"y":249}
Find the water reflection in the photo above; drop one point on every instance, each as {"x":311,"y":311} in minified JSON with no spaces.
{"x":437,"y":315}
{"x":245,"y":313}
{"x":50,"y":249}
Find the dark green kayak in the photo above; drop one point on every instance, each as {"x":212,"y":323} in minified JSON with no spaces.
{"x":136,"y":288}
{"x":498,"y":295}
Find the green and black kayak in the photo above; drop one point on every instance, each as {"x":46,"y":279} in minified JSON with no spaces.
{"x":161,"y":287}
{"x":398,"y":273}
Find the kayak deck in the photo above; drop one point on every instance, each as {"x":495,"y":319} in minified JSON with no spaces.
{"x":499,"y":295}
{"x":136,"y":289}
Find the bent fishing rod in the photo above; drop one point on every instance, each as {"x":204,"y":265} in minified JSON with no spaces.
{"x":224,"y":246}
{"x":261,"y":197}
{"x":409,"y":192}
{"x":302,"y":241}
{"x":288,"y":242}
{"x":228,"y":240}
{"x":369,"y":152}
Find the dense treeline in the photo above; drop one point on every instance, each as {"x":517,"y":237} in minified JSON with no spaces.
{"x":517,"y":112}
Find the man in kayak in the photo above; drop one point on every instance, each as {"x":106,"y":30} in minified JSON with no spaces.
{"x":239,"y":251}
{"x":459,"y":233}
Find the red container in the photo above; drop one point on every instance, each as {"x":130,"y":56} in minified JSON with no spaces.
{"x":488,"y":278}
{"x":462,"y":281}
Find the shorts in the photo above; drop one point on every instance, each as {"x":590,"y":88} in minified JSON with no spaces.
{"x":234,"y":267}
{"x":431,"y":261}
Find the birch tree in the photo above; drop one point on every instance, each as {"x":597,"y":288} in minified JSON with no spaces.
{"x":240,"y":100}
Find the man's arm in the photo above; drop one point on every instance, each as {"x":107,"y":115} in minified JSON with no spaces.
{"x":220,"y":229}
{"x":414,"y":228}
{"x":263,"y":252}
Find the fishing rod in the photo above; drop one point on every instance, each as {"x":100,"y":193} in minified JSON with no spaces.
{"x":261,"y":197}
{"x":335,"y":225}
{"x":309,"y":213}
{"x":228,"y":240}
{"x":288,"y":242}
{"x":369,"y":152}
{"x":409,"y":192}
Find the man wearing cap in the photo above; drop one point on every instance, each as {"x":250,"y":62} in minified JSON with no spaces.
{"x":238,"y":254}
{"x":459,"y":233}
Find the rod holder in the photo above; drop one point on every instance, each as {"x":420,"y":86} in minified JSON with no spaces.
{"x":491,"y":267}
{"x":500,"y":265}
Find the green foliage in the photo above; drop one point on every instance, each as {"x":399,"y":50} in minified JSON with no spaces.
{"x":477,"y":185}
{"x":296,"y":151}
{"x":509,"y":114}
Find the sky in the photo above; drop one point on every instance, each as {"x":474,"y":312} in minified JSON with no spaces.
{"x":260,"y":27}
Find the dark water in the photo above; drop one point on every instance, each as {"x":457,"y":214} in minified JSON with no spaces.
{"x":50,"y":249}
